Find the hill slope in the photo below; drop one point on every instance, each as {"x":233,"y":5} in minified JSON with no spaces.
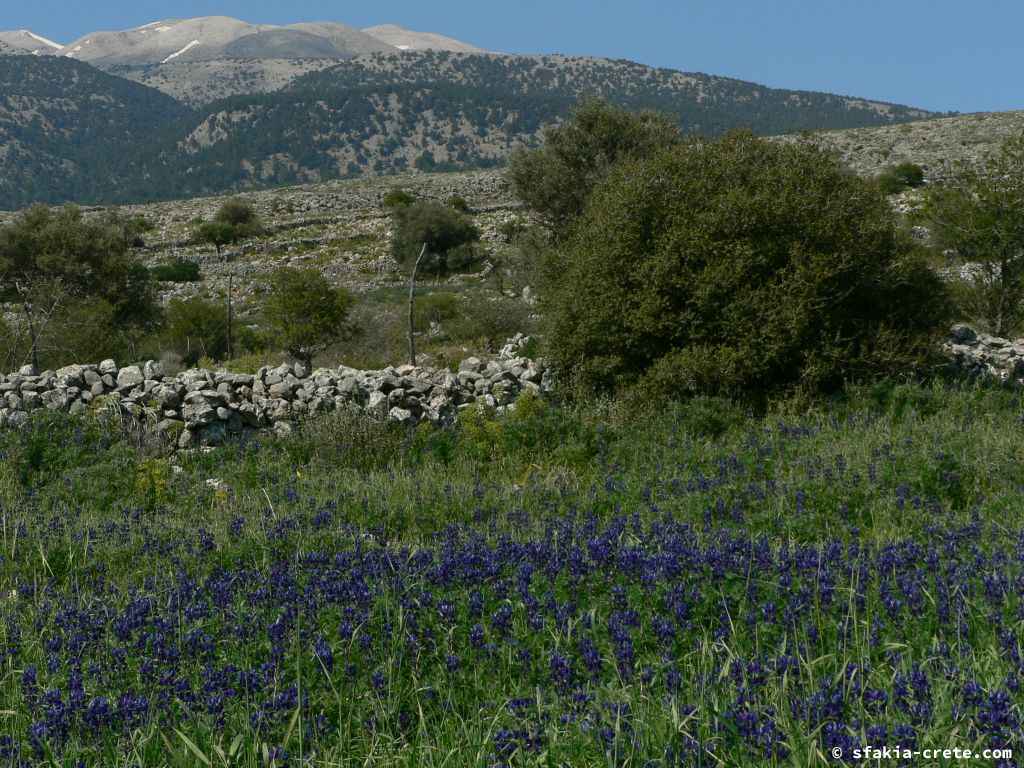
{"x":377,"y":113}
{"x":65,"y":126}
{"x":387,"y":113}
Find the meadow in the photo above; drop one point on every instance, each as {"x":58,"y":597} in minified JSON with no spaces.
{"x":572,"y":584}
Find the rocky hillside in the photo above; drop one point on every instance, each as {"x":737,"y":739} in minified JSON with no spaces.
{"x":937,"y":145}
{"x":198,"y":83}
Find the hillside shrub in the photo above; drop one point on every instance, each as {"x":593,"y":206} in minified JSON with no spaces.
{"x":196,"y":328}
{"x":450,"y":237}
{"x":178,"y":271}
{"x":556,"y":180}
{"x":897,"y":178}
{"x":434,"y":308}
{"x":740,"y":267}
{"x":396,"y":198}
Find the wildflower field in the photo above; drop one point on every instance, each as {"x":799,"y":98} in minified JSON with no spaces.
{"x":563,"y":586}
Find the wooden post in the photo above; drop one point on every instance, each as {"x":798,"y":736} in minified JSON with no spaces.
{"x":231,"y":277}
{"x":412,"y":287}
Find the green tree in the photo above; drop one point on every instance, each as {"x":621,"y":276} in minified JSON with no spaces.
{"x":196,"y":328}
{"x":54,"y":263}
{"x":740,"y":267}
{"x":978,"y":217}
{"x":216,"y":233}
{"x":241,"y":215}
{"x":234,"y":221}
{"x":305,"y":314}
{"x":450,"y":237}
{"x":557,"y":179}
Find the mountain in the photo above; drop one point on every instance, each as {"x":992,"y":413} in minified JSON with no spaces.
{"x":65,"y":128}
{"x":71,"y":131}
{"x":209,"y":38}
{"x":408,"y":40}
{"x":203,"y":59}
{"x":22,"y":41}
{"x":436,"y":110}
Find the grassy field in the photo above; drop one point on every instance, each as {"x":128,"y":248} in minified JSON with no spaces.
{"x":566,"y":585}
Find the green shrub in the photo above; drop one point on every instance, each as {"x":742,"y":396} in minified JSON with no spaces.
{"x":489,"y":319}
{"x":740,"y":267}
{"x":897,"y":178}
{"x":197,"y":328}
{"x":397,"y":198}
{"x":434,"y":308}
{"x":450,"y":237}
{"x":178,"y":271}
{"x":305,"y":314}
{"x":458,"y":202}
{"x":977,"y":217}
{"x":556,"y":180}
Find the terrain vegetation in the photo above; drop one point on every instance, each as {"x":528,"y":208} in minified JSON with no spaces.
{"x":757,"y":521}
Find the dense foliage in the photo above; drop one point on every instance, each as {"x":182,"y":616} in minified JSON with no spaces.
{"x":196,"y":329}
{"x":899,"y":178}
{"x":978,"y":217}
{"x":556,"y":180}
{"x":77,"y":286}
{"x":692,"y":587}
{"x":449,"y":235}
{"x":177,"y":271}
{"x":304,"y":313}
{"x":740,"y":266}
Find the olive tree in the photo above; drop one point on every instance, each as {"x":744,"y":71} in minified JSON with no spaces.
{"x":739,"y":267}
{"x":556,"y":180}
{"x":978,"y":217}
{"x":304,"y":313}
{"x":79,"y":290}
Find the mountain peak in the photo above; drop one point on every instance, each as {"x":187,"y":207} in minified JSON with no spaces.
{"x":410,"y":40}
{"x":215,"y":38}
{"x":26,"y":41}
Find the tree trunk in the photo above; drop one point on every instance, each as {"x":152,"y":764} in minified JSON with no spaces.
{"x":32,"y":335}
{"x":412,"y":287}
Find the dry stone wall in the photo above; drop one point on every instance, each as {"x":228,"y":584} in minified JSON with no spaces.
{"x":201,"y":407}
{"x":982,"y":356}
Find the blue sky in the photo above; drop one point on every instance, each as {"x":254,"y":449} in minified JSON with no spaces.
{"x":935,"y":54}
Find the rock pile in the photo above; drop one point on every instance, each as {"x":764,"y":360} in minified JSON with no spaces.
{"x":987,"y":357}
{"x":201,"y":407}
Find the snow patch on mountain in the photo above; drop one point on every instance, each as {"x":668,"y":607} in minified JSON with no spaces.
{"x":42,"y":39}
{"x":176,"y":54}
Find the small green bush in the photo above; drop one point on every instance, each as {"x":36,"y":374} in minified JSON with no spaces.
{"x":178,"y":271}
{"x":897,"y":178}
{"x":397,"y":198}
{"x":458,"y":202}
{"x":434,"y":308}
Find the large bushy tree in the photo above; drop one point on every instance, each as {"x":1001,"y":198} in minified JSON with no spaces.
{"x":978,"y":217}
{"x":556,"y":180}
{"x":449,"y":235}
{"x":80,"y":292}
{"x":740,"y":267}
